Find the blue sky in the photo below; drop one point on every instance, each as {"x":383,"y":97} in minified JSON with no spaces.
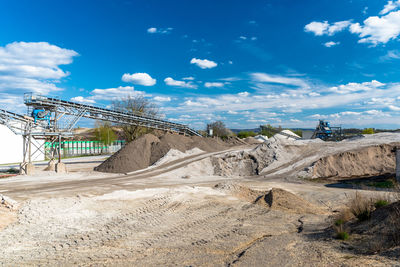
{"x":246,"y":63}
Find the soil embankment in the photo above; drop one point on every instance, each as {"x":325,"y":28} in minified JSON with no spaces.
{"x":369,"y":161}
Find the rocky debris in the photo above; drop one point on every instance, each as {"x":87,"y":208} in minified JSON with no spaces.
{"x":250,"y":162}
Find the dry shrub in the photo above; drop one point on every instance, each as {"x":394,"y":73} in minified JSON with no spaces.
{"x":361,"y":206}
{"x":395,"y":225}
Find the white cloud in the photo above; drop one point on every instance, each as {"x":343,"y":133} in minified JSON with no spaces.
{"x":318,"y":28}
{"x":253,"y":38}
{"x":33,"y":66}
{"x":244,"y":94}
{"x":115,"y":93}
{"x":153,"y":30}
{"x":331,"y":43}
{"x":324,"y":28}
{"x":394,"y":108}
{"x":81,"y":99}
{"x":139,"y":78}
{"x":162,"y":98}
{"x":378,"y":30}
{"x":391,"y":5}
{"x":232,"y":112}
{"x":356,"y":87}
{"x":213,"y":84}
{"x":268,"y":78}
{"x":190,"y":78}
{"x":203,"y":63}
{"x":171,"y":82}
{"x":390,"y":55}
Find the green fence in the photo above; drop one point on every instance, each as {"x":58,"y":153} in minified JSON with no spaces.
{"x":78,"y":148}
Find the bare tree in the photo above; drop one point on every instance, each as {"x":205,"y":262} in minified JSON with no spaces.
{"x":219,"y":129}
{"x":138,"y":105}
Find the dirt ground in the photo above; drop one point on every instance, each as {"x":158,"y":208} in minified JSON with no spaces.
{"x":177,"y":213}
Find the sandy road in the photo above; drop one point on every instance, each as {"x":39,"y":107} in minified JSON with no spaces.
{"x":27,"y":187}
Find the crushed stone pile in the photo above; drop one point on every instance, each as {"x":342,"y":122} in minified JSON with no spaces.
{"x":369,"y":161}
{"x":148,"y":149}
{"x":251,"y":162}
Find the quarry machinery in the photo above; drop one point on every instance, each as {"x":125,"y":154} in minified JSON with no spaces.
{"x":326,"y":132}
{"x":52,"y":119}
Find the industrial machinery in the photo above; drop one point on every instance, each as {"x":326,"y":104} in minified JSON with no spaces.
{"x":325,"y":132}
{"x":52,"y":119}
{"x":39,"y":113}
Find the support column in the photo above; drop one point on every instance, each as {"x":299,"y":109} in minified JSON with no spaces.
{"x":60,"y":167}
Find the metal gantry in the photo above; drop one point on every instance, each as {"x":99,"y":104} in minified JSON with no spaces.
{"x":75,"y":111}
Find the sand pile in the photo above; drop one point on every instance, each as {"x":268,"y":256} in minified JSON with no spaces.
{"x":279,"y":199}
{"x":369,"y":161}
{"x":174,"y":154}
{"x":276,"y":198}
{"x":134,"y":156}
{"x":148,"y":149}
{"x":240,"y":191}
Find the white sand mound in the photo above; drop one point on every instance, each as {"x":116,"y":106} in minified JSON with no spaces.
{"x":290,"y":133}
{"x":261,"y":138}
{"x":174,"y":154}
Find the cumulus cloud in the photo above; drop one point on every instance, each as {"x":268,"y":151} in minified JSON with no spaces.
{"x":171,"y":82}
{"x":162,"y":98}
{"x":331,"y":43}
{"x":33,"y":66}
{"x":391,"y":5}
{"x":356,"y":87}
{"x":324,"y":28}
{"x":213,"y":84}
{"x":203,"y":63}
{"x":139,"y":78}
{"x":152,"y":30}
{"x":376,"y":30}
